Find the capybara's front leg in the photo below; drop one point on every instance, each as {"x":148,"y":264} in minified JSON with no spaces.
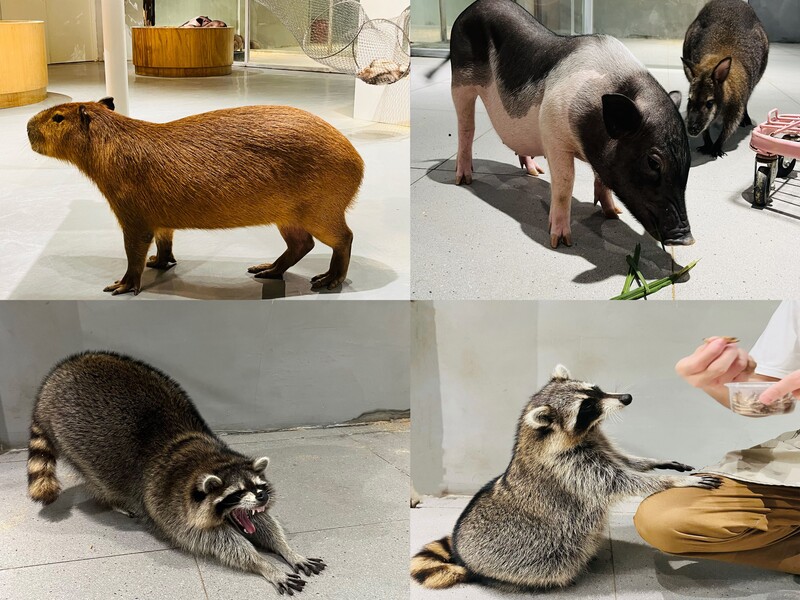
{"x":137,"y":242}
{"x":164,"y":259}
{"x":602,"y":196}
{"x":340,"y":238}
{"x":464,"y":98}
{"x":298,"y":243}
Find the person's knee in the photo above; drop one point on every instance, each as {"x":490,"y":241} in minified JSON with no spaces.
{"x":662,"y":524}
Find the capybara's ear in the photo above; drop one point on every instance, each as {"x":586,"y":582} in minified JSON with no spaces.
{"x":85,"y":118}
{"x":108,"y":102}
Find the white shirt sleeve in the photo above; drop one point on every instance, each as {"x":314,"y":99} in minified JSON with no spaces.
{"x":777,"y":351}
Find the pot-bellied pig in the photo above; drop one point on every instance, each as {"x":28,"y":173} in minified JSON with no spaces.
{"x":724,"y":56}
{"x":583,"y":97}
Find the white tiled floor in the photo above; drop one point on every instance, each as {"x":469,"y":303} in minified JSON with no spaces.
{"x":343,"y":497}
{"x":626,"y":569}
{"x":59,"y":239}
{"x":490,"y":241}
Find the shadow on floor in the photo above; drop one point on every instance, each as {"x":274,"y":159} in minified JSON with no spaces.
{"x":600,"y":241}
{"x":731,"y":144}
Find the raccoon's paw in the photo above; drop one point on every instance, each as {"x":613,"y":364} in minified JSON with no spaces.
{"x":309,"y":566}
{"x":674,"y":466}
{"x":287,"y":583}
{"x":707,"y":482}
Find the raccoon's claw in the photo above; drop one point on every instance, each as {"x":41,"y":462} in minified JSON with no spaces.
{"x":674,"y":466}
{"x":309,"y":566}
{"x":708,"y":482}
{"x":292,"y":584}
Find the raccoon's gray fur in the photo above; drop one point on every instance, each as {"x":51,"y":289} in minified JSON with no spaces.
{"x":724,"y":56}
{"x":538,"y":524}
{"x":143,"y":449}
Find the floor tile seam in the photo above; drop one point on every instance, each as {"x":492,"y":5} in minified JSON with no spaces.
{"x":332,"y":435}
{"x":202,"y":581}
{"x":88,"y":558}
{"x":356,"y":526}
{"x":368,"y":448}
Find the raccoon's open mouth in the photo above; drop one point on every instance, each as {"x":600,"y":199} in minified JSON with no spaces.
{"x":241,"y":516}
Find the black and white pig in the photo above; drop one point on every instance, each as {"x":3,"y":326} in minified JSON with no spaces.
{"x":567,"y":97}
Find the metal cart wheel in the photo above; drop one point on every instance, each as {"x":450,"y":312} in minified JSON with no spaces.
{"x":784,"y":168}
{"x":761,"y":186}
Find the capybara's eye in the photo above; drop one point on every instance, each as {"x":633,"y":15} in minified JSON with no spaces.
{"x":58,"y":118}
{"x":710,"y":104}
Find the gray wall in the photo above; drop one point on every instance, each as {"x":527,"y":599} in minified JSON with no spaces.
{"x":781,"y":18}
{"x":475,"y":368}
{"x":247,"y":365}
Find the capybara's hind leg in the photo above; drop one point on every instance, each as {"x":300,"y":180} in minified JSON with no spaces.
{"x":464,"y":98}
{"x":43,"y":485}
{"x":340,"y":238}
{"x":164,"y":259}
{"x":298,"y":243}
{"x":137,"y":242}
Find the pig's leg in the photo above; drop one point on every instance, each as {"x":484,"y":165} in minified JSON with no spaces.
{"x":602,"y":195}
{"x":298,"y":243}
{"x":164,"y":259}
{"x":562,"y":176}
{"x":527,"y":163}
{"x":464,"y":98}
{"x":137,"y":242}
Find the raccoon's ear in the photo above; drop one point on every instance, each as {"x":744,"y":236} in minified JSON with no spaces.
{"x":561,"y":373}
{"x":260,"y":464}
{"x":208,"y":483}
{"x":722,"y":69}
{"x":540,"y":417}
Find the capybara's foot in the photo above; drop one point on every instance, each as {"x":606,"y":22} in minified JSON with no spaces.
{"x":123,"y":286}
{"x":327,"y":280}
{"x":266,"y":271}
{"x":154,"y":262}
{"x":530,"y":166}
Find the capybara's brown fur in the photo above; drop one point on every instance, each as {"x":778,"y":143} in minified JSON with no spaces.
{"x":236,"y":167}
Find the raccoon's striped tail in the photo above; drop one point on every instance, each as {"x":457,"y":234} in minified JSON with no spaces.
{"x":433,"y":567}
{"x":42,"y":483}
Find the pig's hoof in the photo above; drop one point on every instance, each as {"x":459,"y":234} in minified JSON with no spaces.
{"x":466,"y":179}
{"x":611,"y":212}
{"x":530,"y":166}
{"x":555,"y":238}
{"x":121,"y":287}
{"x":327,"y":281}
{"x":154,"y":263}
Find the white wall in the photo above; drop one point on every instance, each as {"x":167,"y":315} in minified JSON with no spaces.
{"x":475,"y":370}
{"x":247,"y":365}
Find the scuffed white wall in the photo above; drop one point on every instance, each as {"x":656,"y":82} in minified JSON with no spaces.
{"x":489,"y":357}
{"x":247,"y":365}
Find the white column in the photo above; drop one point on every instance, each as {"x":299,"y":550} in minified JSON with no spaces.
{"x":114,"y":53}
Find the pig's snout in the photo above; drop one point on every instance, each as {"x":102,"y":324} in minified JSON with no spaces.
{"x":680,"y":236}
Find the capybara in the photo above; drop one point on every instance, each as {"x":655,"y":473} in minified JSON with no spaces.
{"x":237,"y":167}
{"x":724,"y":56}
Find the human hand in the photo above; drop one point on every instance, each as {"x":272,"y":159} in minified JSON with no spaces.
{"x":788,"y":385}
{"x":716,"y":362}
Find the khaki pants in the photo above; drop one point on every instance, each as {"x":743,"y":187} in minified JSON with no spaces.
{"x":743,"y":523}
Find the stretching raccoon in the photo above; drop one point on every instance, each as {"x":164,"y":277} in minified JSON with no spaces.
{"x":538,"y":524}
{"x":144,"y":450}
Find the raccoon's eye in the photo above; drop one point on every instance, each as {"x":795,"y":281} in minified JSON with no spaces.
{"x":58,"y":118}
{"x":710,"y":104}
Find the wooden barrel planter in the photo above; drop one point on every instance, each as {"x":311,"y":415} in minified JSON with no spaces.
{"x":23,"y":63}
{"x":182,"y":51}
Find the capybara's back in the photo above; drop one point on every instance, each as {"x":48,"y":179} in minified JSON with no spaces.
{"x":236,"y":167}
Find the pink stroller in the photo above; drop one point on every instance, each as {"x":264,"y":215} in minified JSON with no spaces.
{"x":775,"y":142}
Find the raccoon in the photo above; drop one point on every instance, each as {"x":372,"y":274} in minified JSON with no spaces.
{"x":538,"y":524}
{"x":144,"y":450}
{"x":724,"y":56}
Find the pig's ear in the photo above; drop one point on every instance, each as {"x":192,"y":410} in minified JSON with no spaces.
{"x":722,"y":69}
{"x":688,"y":68}
{"x":620,"y":115}
{"x":676,"y":98}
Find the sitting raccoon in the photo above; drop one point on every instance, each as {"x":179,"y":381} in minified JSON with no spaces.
{"x":538,"y":524}
{"x":144,"y":450}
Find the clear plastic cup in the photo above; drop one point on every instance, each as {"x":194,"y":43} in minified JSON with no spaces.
{"x":743,"y":400}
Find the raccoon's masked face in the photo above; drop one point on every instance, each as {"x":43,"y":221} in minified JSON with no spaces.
{"x":238,"y":493}
{"x":566,"y":410}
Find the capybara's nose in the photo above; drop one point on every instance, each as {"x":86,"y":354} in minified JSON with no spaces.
{"x":626,"y":399}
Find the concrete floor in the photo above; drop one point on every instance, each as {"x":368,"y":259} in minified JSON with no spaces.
{"x":625,"y":569}
{"x":490,"y":240}
{"x":343,"y":496}
{"x":60,"y":240}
